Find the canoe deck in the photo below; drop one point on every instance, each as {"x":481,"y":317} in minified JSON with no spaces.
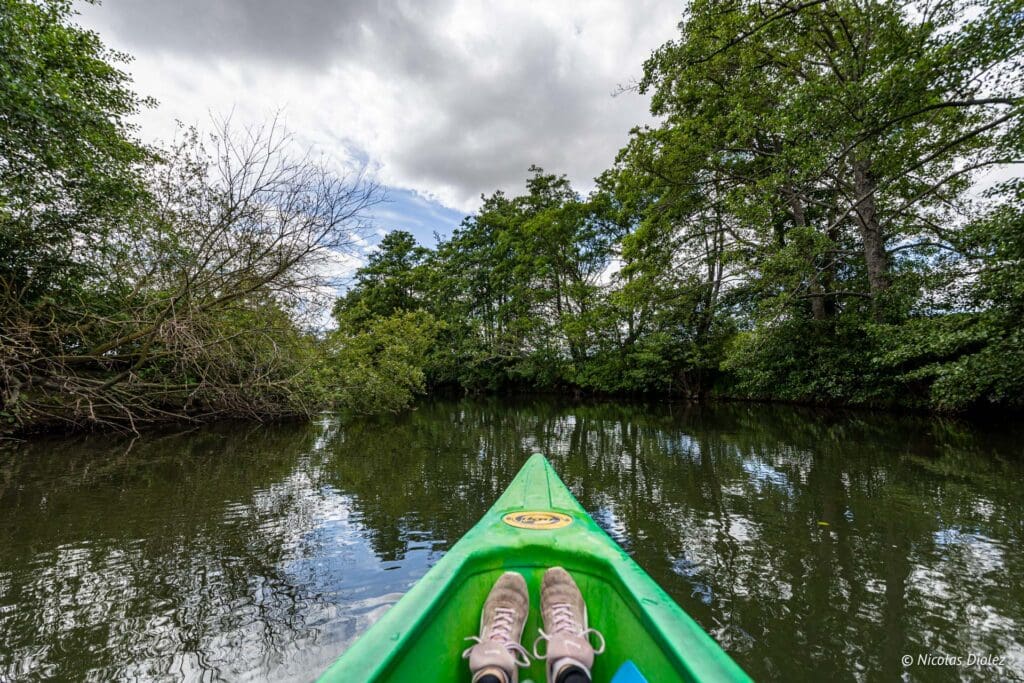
{"x":421,"y":637}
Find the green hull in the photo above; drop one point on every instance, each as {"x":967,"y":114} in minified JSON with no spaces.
{"x":421,"y":637}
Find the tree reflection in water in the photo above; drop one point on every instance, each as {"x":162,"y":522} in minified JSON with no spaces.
{"x":810,"y":545}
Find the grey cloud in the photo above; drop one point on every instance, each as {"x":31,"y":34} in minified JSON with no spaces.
{"x":478,"y":130}
{"x":310,"y":32}
{"x":498,"y":127}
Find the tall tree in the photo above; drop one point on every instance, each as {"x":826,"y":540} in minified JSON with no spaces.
{"x":390,"y":282}
{"x":838,"y":121}
{"x":69,"y":159}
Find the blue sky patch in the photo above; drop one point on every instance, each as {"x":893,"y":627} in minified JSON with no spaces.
{"x":411,"y":211}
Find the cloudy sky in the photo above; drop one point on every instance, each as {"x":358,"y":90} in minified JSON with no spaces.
{"x":443,"y":99}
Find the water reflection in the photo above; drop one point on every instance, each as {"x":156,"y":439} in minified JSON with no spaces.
{"x":809,"y":545}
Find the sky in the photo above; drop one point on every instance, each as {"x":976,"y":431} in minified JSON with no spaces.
{"x":443,"y":100}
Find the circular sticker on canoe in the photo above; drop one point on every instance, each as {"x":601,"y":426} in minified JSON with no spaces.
{"x":541,"y":519}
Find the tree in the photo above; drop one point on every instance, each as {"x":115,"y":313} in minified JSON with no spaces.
{"x":69,"y":160}
{"x":387,"y":284}
{"x":801,"y":223}
{"x":196,"y":316}
{"x":519,"y":282}
{"x":381,"y":367}
{"x":834,"y":145}
{"x":839,"y":117}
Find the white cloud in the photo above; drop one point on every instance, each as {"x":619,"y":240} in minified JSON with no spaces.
{"x":448,"y":99}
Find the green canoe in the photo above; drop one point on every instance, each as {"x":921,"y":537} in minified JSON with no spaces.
{"x":535,"y":524}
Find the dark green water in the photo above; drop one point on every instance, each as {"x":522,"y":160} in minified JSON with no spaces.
{"x":813,"y":547}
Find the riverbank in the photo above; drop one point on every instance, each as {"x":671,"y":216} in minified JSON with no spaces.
{"x":971,"y":419}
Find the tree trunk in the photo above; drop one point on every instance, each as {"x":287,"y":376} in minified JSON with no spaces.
{"x":875,"y":256}
{"x":819,"y":308}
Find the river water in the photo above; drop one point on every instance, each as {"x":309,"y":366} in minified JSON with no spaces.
{"x":812,"y":546}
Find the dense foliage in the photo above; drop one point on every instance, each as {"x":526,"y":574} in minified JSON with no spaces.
{"x":825,"y":211}
{"x":805,"y":223}
{"x":139,"y":285}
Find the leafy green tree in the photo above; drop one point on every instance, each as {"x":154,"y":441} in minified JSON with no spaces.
{"x":381,"y":368}
{"x":389,"y":283}
{"x":69,"y":159}
{"x":835,"y":145}
{"x":972,"y":358}
{"x":520,"y":286}
{"x":862,"y":121}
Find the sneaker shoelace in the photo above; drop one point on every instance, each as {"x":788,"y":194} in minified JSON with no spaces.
{"x":565,"y":624}
{"x":501,"y":633}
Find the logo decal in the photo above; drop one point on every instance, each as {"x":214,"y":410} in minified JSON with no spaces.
{"x":541,"y":519}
